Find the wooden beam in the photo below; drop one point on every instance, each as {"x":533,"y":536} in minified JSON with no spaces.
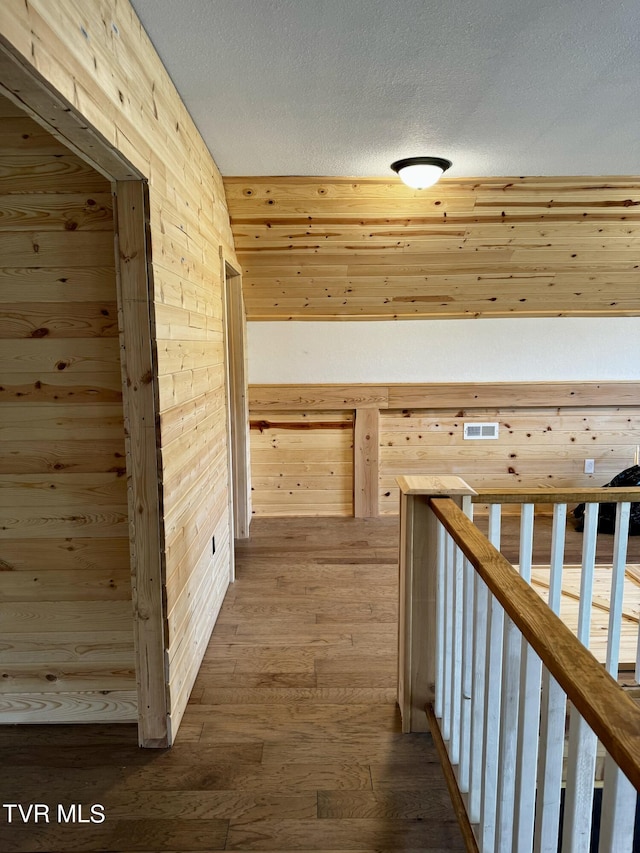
{"x":140,"y":406}
{"x":463,"y":395}
{"x":24,"y":86}
{"x":550,"y":496}
{"x":441,"y":395}
{"x":318,"y":397}
{"x":366,"y":444}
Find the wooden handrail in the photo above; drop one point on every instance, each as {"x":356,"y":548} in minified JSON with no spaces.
{"x":556,"y":496}
{"x":612,"y":715}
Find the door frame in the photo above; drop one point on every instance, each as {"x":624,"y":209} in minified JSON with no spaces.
{"x":22,"y":85}
{"x":235,"y":326}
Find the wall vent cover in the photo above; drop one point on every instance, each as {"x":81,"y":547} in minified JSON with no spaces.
{"x":479,"y":431}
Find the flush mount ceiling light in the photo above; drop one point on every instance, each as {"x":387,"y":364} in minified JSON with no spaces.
{"x":421,"y":172}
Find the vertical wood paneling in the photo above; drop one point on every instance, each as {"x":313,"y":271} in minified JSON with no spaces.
{"x":103,"y":88}
{"x":65,"y":588}
{"x":366,"y":443}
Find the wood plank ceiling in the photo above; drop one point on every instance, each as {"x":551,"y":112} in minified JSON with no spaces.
{"x":366,"y":248}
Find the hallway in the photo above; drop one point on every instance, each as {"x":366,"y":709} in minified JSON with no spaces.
{"x":291,"y":740}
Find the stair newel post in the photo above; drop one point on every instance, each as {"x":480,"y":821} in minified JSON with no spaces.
{"x":418,"y":648}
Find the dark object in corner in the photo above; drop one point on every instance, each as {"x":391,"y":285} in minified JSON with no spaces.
{"x":607,"y":513}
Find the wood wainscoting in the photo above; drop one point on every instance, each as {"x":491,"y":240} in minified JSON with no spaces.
{"x":337,"y":449}
{"x":302,"y":463}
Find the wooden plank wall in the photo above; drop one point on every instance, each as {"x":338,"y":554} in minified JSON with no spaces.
{"x":302,"y":463}
{"x":338,"y":248}
{"x":66,"y":647}
{"x":536,"y":447}
{"x":546,"y":431}
{"x":98,"y":61}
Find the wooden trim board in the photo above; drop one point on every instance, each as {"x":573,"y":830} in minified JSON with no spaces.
{"x":238,"y":407}
{"x":366,"y":446}
{"x":140,"y":406}
{"x":434,"y":395}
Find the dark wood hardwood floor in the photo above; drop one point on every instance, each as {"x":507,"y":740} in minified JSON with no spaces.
{"x":291,"y":740}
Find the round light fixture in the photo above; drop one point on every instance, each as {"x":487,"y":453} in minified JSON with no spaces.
{"x":421,"y":172}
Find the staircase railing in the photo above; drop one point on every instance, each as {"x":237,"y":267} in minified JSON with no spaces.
{"x":492,"y":671}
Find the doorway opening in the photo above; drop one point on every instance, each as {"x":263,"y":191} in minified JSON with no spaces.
{"x":238,"y":407}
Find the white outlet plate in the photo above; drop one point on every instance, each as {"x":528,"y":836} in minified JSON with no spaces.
{"x":589,"y":466}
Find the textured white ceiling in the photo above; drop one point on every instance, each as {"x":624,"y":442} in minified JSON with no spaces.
{"x":343,"y":87}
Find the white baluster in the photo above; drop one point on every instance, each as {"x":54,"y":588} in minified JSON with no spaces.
{"x":495,"y":630}
{"x":456,"y":671}
{"x":440,"y":620}
{"x":528,"y":710}
{"x":469,"y":580}
{"x":553,"y":712}
{"x":618,"y":814}
{"x":550,"y":760}
{"x":526,"y":541}
{"x":510,"y":700}
{"x":508,"y":735}
{"x":480,"y":622}
{"x":448,"y":638}
{"x":557,"y":556}
{"x":619,"y":796}
{"x":617,"y":587}
{"x":589,"y":540}
{"x":495,"y":516}
{"x":581,"y":759}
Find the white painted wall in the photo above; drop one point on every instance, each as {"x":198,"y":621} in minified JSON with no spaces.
{"x":506,"y":350}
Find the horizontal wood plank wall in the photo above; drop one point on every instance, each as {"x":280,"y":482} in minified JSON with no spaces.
{"x":547,"y":430}
{"x":302,"y":463}
{"x":349,"y":248}
{"x":536,"y":447}
{"x":66,"y":647}
{"x":106,"y":74}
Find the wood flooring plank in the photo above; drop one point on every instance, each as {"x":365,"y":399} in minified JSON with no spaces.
{"x":290,"y":634}
{"x":53,"y":758}
{"x":386,"y":661}
{"x":291,"y":739}
{"x":275,"y":778}
{"x":226,"y":805}
{"x":153,"y":835}
{"x":384,"y":804}
{"x":415,"y":753}
{"x":352,"y":716}
{"x":318,"y":610}
{"x":386,"y":678}
{"x":289,"y":695}
{"x":250,"y":680}
{"x":380,"y":833}
{"x":405,"y":777}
